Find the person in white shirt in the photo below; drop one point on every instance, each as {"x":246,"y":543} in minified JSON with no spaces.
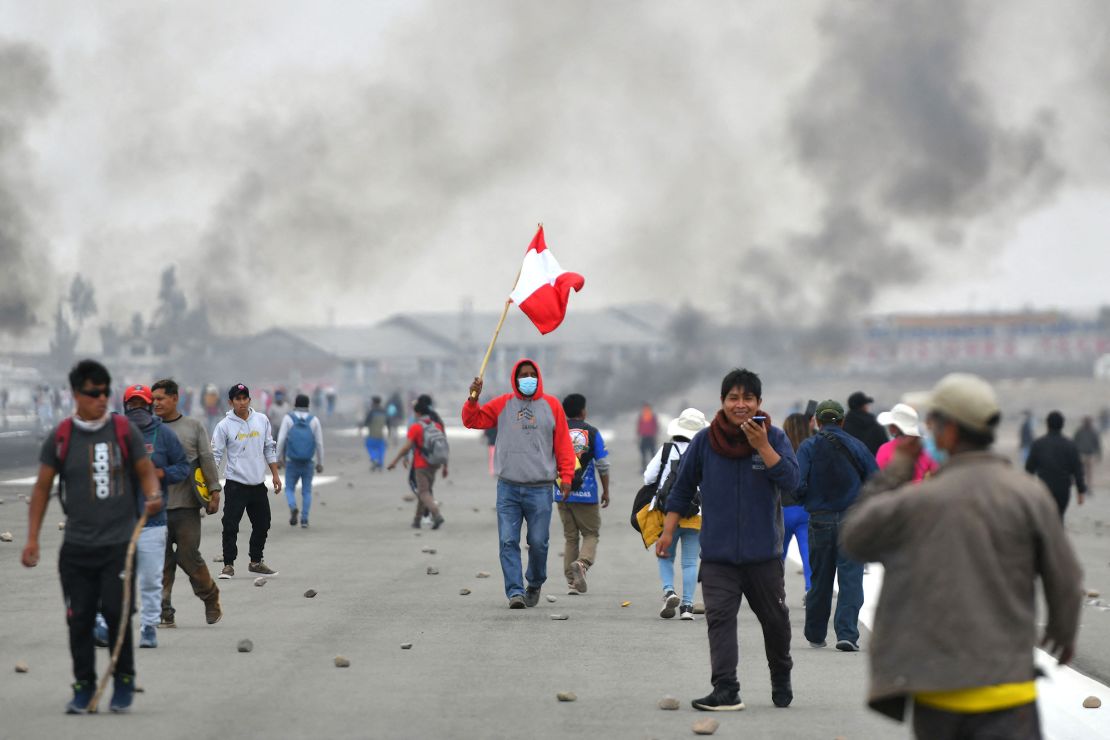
{"x":245,"y":439}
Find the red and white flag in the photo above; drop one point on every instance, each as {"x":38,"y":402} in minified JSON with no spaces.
{"x":544,"y":287}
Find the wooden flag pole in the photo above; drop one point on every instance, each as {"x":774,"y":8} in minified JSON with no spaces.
{"x":497,"y":331}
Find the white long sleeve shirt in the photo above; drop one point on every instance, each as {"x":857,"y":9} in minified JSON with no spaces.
{"x":248,"y":446}
{"x":313,"y":424}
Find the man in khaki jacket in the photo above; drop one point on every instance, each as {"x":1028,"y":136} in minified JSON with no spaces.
{"x":956,"y":621}
{"x":183,"y":508}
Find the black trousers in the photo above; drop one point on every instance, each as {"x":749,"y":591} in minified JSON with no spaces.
{"x":92,"y":579}
{"x":724,"y":586}
{"x":1018,"y":723}
{"x":239,"y":497}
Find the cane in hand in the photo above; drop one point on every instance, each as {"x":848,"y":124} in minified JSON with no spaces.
{"x":125,"y":614}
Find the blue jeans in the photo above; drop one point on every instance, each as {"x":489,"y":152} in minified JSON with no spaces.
{"x":302,"y":471}
{"x":795,"y":522}
{"x":828,"y":560}
{"x":375,"y":448}
{"x":691,"y":548}
{"x":150,"y":559}
{"x":517,"y":504}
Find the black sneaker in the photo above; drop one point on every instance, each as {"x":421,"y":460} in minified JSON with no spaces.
{"x":531,"y":596}
{"x":516,"y":601}
{"x":721,"y":700}
{"x":847,"y":646}
{"x":293,"y":516}
{"x":438,"y":522}
{"x":82,"y":695}
{"x":781,"y":691}
{"x":686,"y":611}
{"x":123,"y":693}
{"x":670,"y":603}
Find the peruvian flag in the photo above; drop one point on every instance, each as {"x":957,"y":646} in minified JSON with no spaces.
{"x":543,"y":287}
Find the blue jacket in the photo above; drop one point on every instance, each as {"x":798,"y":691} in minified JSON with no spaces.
{"x":741,"y":507}
{"x":829,"y":480}
{"x":165,"y":452}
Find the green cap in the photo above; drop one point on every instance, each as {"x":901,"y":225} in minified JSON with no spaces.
{"x":829,"y":410}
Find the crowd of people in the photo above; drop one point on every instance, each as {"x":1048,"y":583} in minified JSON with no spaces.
{"x":909,"y":488}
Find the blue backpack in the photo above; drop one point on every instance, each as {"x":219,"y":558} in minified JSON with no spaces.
{"x":300,"y":445}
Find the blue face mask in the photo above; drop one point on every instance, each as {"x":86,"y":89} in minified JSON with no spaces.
{"x":527,"y":386}
{"x":930,"y":443}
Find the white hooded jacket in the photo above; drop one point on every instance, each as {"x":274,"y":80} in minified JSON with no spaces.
{"x":248,"y":444}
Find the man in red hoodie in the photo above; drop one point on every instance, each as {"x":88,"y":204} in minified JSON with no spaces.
{"x":533,"y":449}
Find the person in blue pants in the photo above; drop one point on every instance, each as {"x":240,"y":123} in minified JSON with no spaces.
{"x":300,"y":444}
{"x":795,"y":519}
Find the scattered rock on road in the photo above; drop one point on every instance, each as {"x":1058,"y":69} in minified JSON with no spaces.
{"x":429,"y":550}
{"x":1091,"y":702}
{"x":464,"y":592}
{"x":61,"y":525}
{"x":245,"y":646}
{"x":560,"y":617}
{"x":341,"y":662}
{"x":408,"y":497}
{"x":477,"y":510}
{"x":406,"y":646}
{"x":551,"y":599}
{"x":566,"y":696}
{"x":1092,"y":593}
{"x":22,"y":667}
{"x":260,"y":581}
{"x":5,"y":536}
{"x":433,"y":571}
{"x":699,"y":608}
{"x":482,"y":574}
{"x":218,"y":559}
{"x":668,"y":702}
{"x":310,"y":594}
{"x":706,"y":726}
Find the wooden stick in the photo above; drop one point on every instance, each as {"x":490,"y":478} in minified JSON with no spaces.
{"x":497,"y":331}
{"x":125,"y":618}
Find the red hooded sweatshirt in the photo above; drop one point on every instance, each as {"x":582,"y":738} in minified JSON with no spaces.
{"x":533,"y":440}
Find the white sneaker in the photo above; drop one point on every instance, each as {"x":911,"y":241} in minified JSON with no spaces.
{"x":572,"y":591}
{"x":670,"y":603}
{"x":686,"y":611}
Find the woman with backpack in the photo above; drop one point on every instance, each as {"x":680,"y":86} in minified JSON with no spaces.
{"x":661,"y":472}
{"x":427,"y":440}
{"x":795,"y":519}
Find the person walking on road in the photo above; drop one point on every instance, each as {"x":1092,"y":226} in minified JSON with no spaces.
{"x":99,"y":457}
{"x":962,"y":553}
{"x":795,"y":518}
{"x":1055,"y":460}
{"x":300,"y":448}
{"x":580,"y":510}
{"x":427,"y":440}
{"x":170,"y":465}
{"x":375,"y":423}
{"x":739,"y":464}
{"x":245,"y":439}
{"x":647,"y":429}
{"x":533,"y":450}
{"x":860,"y":423}
{"x":1089,"y":444}
{"x":1026,"y":434}
{"x":661,"y":471}
{"x":183,"y":507}
{"x":833,"y":467}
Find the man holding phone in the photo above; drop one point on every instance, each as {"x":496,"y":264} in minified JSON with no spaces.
{"x":740,"y":463}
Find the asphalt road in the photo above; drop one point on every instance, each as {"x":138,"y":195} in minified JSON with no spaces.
{"x":476,"y":669}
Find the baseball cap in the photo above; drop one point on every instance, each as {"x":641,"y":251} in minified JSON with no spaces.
{"x":859,"y":399}
{"x":829,"y":410}
{"x":238,"y":390}
{"x":967,"y":400}
{"x":138,"y":391}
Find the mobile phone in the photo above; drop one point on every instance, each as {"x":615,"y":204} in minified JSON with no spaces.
{"x":759,"y":418}
{"x":811,"y":408}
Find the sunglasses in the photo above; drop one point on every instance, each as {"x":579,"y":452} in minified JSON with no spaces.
{"x":96,"y":392}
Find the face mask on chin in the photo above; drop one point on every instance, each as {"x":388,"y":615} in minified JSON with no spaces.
{"x":527,"y":386}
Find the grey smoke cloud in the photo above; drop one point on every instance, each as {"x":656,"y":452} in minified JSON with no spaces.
{"x":26,"y":93}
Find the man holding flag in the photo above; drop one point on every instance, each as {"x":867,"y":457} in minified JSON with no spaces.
{"x":534,"y":449}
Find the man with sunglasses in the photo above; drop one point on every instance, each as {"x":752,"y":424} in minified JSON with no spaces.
{"x":100,"y":458}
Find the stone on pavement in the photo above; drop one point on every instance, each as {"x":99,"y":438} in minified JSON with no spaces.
{"x":342,"y":662}
{"x":1092,"y":593}
{"x":706,"y":726}
{"x":551,"y":599}
{"x":560,"y":617}
{"x":6,"y":537}
{"x":61,"y":525}
{"x":482,"y":574}
{"x":310,"y":594}
{"x":566,"y":696}
{"x":433,"y":571}
{"x":464,"y":592}
{"x":260,"y":581}
{"x":668,"y":702}
{"x":429,"y":550}
{"x":408,"y":497}
{"x":1091,"y":702}
{"x":406,"y":646}
{"x":245,"y":646}
{"x":22,"y":667}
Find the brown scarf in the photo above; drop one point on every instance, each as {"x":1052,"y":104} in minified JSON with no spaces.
{"x":729,"y":440}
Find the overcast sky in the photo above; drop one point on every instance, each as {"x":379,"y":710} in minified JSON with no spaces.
{"x":300,"y":162}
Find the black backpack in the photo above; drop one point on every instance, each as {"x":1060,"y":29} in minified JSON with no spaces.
{"x":648,"y":491}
